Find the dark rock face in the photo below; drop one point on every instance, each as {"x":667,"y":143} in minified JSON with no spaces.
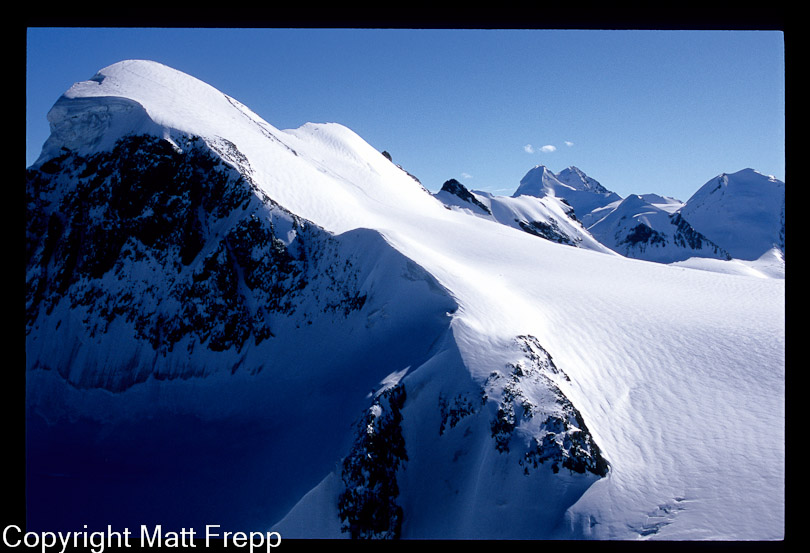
{"x":682,"y":235}
{"x":455,"y":188}
{"x":452,"y":411}
{"x":687,"y":237}
{"x":550,"y":231}
{"x":176,"y":243}
{"x":642,"y":234}
{"x":562,"y":438}
{"x":367,"y":506}
{"x":566,"y":443}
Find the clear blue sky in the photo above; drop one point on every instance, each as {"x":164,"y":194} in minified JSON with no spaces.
{"x":639,"y":111}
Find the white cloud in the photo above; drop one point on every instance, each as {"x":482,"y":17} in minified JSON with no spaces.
{"x":466,"y":176}
{"x":548,"y":148}
{"x":569,"y":143}
{"x":528,"y":148}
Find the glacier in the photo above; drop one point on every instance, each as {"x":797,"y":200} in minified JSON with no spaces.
{"x":502,"y":385}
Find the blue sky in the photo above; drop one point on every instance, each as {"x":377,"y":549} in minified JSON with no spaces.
{"x":639,"y":111}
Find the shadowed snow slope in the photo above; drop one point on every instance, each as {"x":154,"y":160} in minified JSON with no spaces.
{"x":433,"y":375}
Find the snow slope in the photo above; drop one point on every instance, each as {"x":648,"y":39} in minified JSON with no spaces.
{"x":678,"y":374}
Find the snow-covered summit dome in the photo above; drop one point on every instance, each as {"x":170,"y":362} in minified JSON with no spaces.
{"x":138,"y":96}
{"x":744,"y":210}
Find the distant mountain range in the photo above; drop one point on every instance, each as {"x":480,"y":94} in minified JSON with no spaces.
{"x":738,"y":215}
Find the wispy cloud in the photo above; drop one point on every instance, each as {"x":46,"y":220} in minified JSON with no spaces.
{"x":466,"y":176}
{"x":547,"y":149}
{"x":569,"y":143}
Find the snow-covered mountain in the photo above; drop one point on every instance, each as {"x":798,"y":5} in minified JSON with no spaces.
{"x":227,"y":323}
{"x":743,"y":211}
{"x":580,"y":191}
{"x":739,"y":215}
{"x":548,"y":217}
{"x":635,"y":227}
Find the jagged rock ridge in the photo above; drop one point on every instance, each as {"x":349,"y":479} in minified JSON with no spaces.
{"x":178,"y":244}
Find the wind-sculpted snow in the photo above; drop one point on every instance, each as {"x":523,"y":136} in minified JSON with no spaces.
{"x":87,"y":124}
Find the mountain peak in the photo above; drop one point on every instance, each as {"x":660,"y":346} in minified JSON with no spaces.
{"x":744,"y":211}
{"x":136,"y":97}
{"x":580,"y":191}
{"x":576,"y":178}
{"x":543,"y":170}
{"x":539,"y":181}
{"x":633,"y":200}
{"x":452,"y":186}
